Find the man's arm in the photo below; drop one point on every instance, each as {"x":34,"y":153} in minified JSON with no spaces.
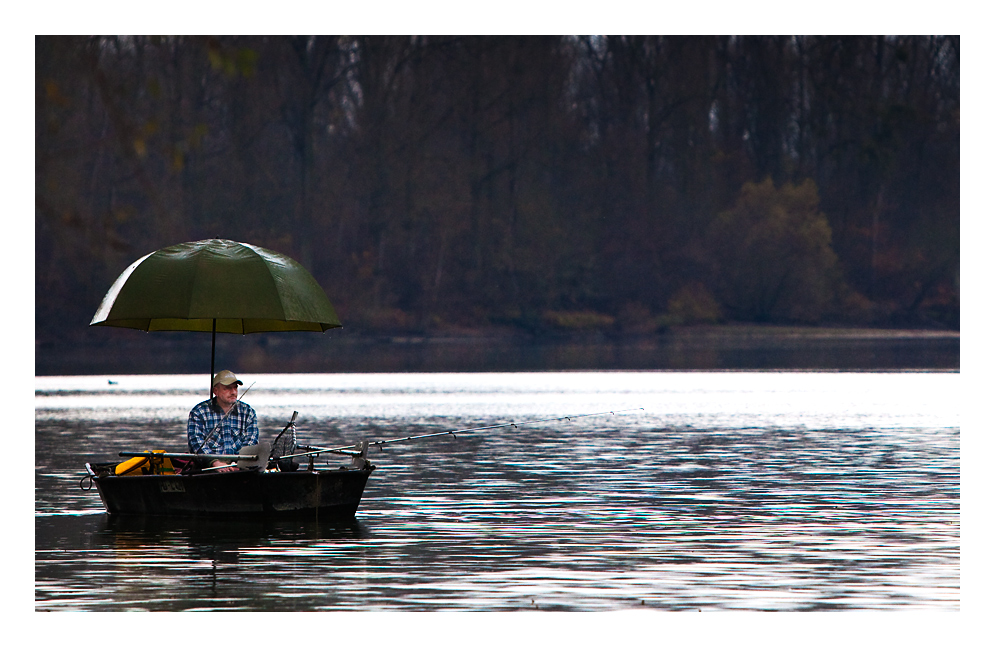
{"x":252,"y":427}
{"x":195,"y":431}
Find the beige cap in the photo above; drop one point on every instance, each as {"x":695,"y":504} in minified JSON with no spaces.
{"x":225,"y":377}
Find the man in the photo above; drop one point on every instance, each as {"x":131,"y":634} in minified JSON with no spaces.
{"x":222,"y":424}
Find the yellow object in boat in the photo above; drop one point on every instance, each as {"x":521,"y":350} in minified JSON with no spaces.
{"x":143,"y":466}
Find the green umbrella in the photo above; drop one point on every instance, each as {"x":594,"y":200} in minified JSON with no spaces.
{"x":216,"y":286}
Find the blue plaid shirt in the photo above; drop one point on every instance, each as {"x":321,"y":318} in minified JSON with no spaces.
{"x":238,"y":430}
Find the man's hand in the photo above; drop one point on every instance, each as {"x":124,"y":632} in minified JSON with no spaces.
{"x":228,"y":467}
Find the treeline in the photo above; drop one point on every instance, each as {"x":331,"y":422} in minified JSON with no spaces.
{"x":612,"y":183}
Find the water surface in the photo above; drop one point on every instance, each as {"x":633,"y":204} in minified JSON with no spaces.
{"x":726,"y":491}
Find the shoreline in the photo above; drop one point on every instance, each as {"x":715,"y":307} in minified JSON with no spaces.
{"x":747,"y":331}
{"x":712,"y":347}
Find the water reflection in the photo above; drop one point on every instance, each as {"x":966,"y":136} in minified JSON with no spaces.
{"x":659,"y":509}
{"x":207,"y":531}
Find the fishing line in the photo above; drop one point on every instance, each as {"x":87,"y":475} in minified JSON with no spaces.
{"x":350,"y":449}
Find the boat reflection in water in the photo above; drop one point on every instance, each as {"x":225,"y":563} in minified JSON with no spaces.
{"x":232,"y":532}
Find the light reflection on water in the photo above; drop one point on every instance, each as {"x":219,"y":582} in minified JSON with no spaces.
{"x":756,"y":491}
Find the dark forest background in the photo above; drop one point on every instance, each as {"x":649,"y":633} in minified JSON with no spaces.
{"x":618,"y":184}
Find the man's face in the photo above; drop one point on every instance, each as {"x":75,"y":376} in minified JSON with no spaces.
{"x":227,"y":394}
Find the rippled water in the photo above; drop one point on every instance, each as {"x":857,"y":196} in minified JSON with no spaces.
{"x":749,"y":491}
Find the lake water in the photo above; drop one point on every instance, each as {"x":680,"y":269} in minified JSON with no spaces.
{"x":726,"y":491}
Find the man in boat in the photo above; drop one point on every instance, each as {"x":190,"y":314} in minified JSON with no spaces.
{"x":222,"y":424}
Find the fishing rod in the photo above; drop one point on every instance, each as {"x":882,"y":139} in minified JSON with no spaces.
{"x":350,"y":449}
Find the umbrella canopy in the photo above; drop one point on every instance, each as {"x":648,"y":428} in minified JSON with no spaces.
{"x":216,"y":285}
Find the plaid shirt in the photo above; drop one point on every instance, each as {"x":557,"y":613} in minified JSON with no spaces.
{"x":238,"y":430}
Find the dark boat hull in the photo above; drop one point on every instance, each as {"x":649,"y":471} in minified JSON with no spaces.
{"x":326,"y":493}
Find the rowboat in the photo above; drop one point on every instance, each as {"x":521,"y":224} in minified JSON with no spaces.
{"x":150,"y":483}
{"x":333,"y":494}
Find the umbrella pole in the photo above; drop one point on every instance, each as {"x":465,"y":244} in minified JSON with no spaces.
{"x":214,"y":333}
